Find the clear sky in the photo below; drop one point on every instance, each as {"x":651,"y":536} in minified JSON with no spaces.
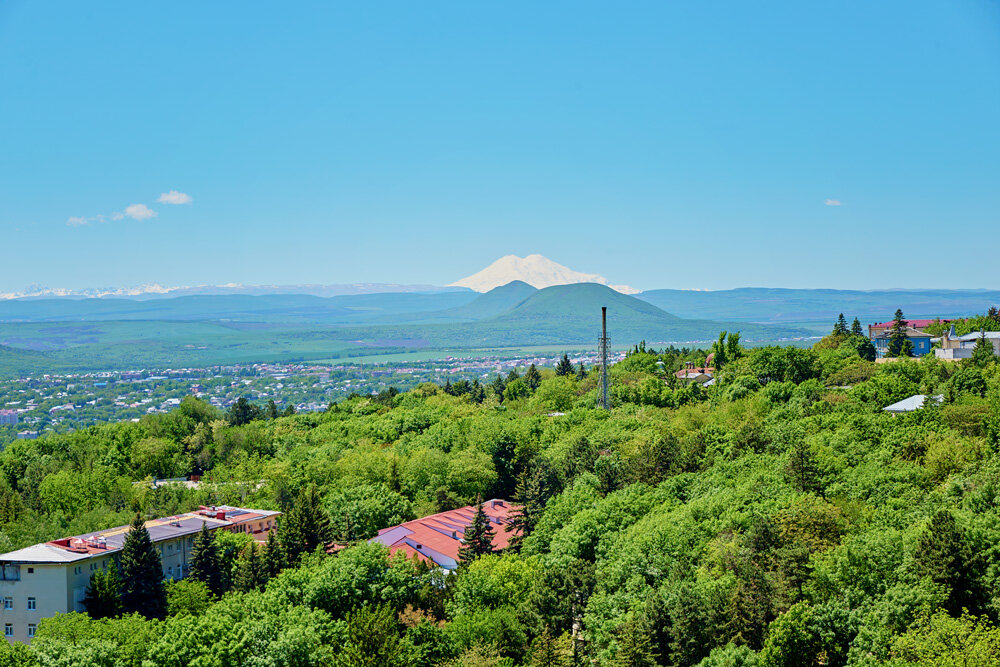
{"x":849,"y":144}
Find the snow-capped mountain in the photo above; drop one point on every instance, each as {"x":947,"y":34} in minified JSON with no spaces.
{"x":536,"y":270}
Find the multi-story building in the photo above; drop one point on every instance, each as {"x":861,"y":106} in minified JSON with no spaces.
{"x":8,"y":417}
{"x":52,"y":577}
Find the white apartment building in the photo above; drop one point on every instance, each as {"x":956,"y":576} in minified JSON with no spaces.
{"x":52,"y":577}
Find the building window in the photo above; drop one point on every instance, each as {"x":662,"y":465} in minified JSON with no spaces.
{"x":31,"y":604}
{"x":31,"y":570}
{"x":31,"y":629}
{"x":8,"y":603}
{"x":77,"y":570}
{"x":8,"y":629}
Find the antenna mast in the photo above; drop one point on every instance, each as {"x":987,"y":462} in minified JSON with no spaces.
{"x":603,"y":351}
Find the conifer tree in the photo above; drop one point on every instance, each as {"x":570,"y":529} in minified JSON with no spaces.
{"x":477,"y":394}
{"x":206,"y":565}
{"x":532,"y":377}
{"x":982,"y":353}
{"x":103,"y":597}
{"x":250,"y":575}
{"x":856,"y":328}
{"x":581,"y":372}
{"x":273,"y":556}
{"x":803,"y":467}
{"x":897,"y":338}
{"x":305,"y":526}
{"x":532,"y":492}
{"x":840,"y":327}
{"x":943,"y":555}
{"x":478,"y":536}
{"x":549,"y":650}
{"x":513,"y":375}
{"x":142,"y":589}
{"x":634,"y":647}
{"x":565,"y":366}
{"x":498,"y":385}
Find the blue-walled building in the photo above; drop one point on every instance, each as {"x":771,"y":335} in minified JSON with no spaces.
{"x":921,"y":341}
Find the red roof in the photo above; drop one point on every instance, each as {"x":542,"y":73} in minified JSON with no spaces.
{"x":438,"y":537}
{"x":916,"y":324}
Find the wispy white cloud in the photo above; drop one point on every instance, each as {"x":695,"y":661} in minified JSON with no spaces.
{"x":174,"y":197}
{"x":139,"y":212}
{"x":833,"y":202}
{"x":133,"y":211}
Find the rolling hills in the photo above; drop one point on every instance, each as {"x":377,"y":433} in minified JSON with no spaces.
{"x":207,"y":330}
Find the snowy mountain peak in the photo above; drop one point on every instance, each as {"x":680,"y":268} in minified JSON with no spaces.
{"x":536,"y":270}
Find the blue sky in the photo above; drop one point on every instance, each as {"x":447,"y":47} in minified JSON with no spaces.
{"x":659,"y":144}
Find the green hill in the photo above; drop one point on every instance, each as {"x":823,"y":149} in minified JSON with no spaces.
{"x":572,"y":314}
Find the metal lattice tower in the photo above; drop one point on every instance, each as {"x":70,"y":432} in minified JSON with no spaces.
{"x":602,"y":349}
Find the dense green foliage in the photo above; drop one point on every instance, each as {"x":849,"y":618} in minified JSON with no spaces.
{"x":778,"y":517}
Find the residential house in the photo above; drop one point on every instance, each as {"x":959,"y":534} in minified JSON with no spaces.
{"x":954,"y":347}
{"x":920,"y":340}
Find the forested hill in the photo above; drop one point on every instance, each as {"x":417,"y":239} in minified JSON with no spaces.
{"x":779,"y":517}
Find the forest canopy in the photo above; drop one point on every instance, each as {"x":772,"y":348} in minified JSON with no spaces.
{"x":776,"y":517}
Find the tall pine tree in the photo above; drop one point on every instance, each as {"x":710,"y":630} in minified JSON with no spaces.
{"x":565,"y":366}
{"x":305,"y":526}
{"x":142,"y":586}
{"x":856,"y":328}
{"x":250,"y":575}
{"x":840,"y":327}
{"x":533,"y":490}
{"x":478,"y":536}
{"x":103,"y":597}
{"x":897,"y":337}
{"x":532,"y":377}
{"x":273,"y":556}
{"x":206,"y":566}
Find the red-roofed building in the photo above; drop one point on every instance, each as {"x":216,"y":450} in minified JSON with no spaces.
{"x":438,"y":537}
{"x":876,"y":329}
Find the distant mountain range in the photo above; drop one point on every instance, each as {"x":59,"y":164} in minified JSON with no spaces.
{"x":156,"y":291}
{"x":200,"y":326}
